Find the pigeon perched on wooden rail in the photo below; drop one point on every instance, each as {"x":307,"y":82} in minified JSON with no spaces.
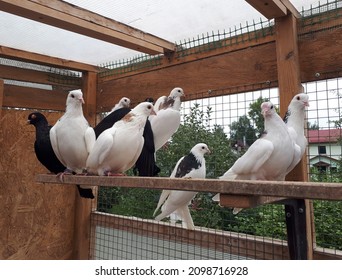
{"x":72,"y":137}
{"x":174,"y":201}
{"x":117,"y":149}
{"x":145,"y":164}
{"x":268,"y":158}
{"x":44,"y":151}
{"x":295,"y":121}
{"x":167,"y":120}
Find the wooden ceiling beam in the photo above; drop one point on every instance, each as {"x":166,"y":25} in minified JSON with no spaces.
{"x":274,"y":8}
{"x":39,"y":77}
{"x":72,"y":18}
{"x":46,"y":60}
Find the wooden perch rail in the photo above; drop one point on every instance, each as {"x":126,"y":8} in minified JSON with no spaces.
{"x":288,"y":189}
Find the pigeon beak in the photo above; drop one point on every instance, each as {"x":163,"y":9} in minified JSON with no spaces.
{"x":82,"y":100}
{"x":209,"y":152}
{"x":153,"y":112}
{"x":28,"y":122}
{"x":306,"y":103}
{"x":264,"y":112}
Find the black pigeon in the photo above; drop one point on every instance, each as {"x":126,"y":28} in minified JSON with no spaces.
{"x":145,"y":164}
{"x":44,"y":151}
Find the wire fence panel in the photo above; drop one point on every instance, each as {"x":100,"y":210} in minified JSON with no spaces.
{"x":124,"y":228}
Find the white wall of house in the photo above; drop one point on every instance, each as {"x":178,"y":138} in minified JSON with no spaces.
{"x":330,"y":157}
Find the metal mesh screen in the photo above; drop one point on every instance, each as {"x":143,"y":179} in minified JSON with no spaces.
{"x":123,"y":226}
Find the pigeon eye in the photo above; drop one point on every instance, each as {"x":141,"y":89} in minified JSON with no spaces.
{"x":179,"y":90}
{"x":271,"y":107}
{"x":298,"y":98}
{"x":33,"y":117}
{"x":149,"y":107}
{"x":73,"y":96}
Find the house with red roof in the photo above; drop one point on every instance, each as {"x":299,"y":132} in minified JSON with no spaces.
{"x":325,"y":148}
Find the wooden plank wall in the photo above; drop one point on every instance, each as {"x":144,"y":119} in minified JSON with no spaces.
{"x":239,"y":66}
{"x":36,"y":220}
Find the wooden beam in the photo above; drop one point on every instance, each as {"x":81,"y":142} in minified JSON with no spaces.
{"x":289,"y":85}
{"x":269,"y":8}
{"x":1,"y":95}
{"x":241,"y":201}
{"x":45,"y":60}
{"x":291,"y":9}
{"x":288,"y":189}
{"x":84,"y":206}
{"x":39,"y":77}
{"x":289,"y":79}
{"x":245,"y":67}
{"x":70,"y":17}
{"x":89,"y":92}
{"x":33,"y":98}
{"x":248,"y":65}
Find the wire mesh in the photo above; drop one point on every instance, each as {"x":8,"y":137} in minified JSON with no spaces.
{"x":244,"y":32}
{"x":124,"y":225}
{"x":55,"y":77}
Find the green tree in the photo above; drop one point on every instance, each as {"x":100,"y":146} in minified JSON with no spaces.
{"x":313,"y":126}
{"x":242,"y":132}
{"x":255,"y":115}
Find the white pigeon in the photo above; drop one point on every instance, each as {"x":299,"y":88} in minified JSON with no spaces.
{"x":167,"y":120}
{"x":117,"y":148}
{"x":123,"y":103}
{"x":174,"y":201}
{"x":268,"y":158}
{"x":71,"y":137}
{"x":295,"y":122}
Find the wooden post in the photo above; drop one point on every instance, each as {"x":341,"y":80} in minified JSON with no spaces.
{"x":1,"y":95}
{"x":289,"y":85}
{"x":83,"y":210}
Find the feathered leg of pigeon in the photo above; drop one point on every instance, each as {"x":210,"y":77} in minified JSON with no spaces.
{"x":184,"y":212}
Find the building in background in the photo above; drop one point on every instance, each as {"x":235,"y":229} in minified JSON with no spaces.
{"x":325,"y":148}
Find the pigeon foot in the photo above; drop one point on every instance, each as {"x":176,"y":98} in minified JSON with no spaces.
{"x":61,"y":175}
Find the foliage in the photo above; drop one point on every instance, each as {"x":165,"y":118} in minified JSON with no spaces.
{"x":242,"y":132}
{"x":255,"y":115}
{"x":247,"y":129}
{"x":313,"y":126}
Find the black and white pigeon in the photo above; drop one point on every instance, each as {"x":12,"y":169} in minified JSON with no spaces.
{"x":176,"y":202}
{"x":270,"y":157}
{"x":72,"y":137}
{"x":167,"y":120}
{"x":44,"y":151}
{"x":117,"y":149}
{"x":145,"y":164}
{"x":295,"y":121}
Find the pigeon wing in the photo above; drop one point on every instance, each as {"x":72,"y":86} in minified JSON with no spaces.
{"x":254,"y":158}
{"x":164,"y":195}
{"x":164,"y":125}
{"x":54,"y":144}
{"x":90,"y":138}
{"x":110,"y":120}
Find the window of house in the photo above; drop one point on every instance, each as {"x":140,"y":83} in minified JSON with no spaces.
{"x":322,"y":150}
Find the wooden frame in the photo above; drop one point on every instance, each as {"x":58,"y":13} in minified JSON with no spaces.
{"x":282,"y":59}
{"x":69,"y":17}
{"x":288,"y":189}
